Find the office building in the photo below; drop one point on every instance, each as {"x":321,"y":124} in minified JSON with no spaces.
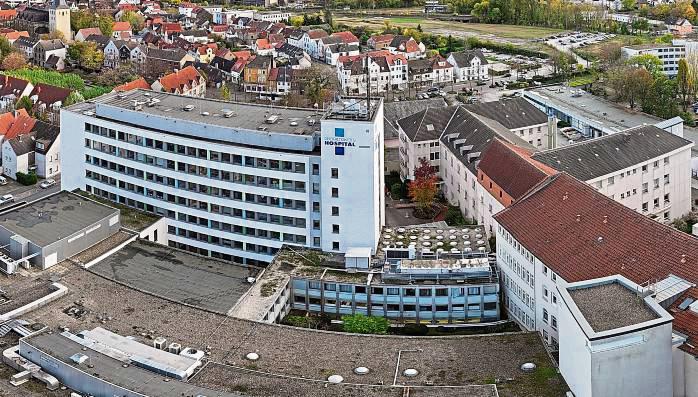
{"x":235,"y":181}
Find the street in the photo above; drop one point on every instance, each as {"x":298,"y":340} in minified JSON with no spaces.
{"x":28,"y":193}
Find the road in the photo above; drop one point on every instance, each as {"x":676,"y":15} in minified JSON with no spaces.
{"x":28,"y":193}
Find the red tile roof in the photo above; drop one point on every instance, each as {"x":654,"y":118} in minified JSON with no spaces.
{"x":686,"y":321}
{"x":168,"y":27}
{"x":135,"y":84}
{"x":180,"y":80}
{"x":242,"y":54}
{"x":347,"y":37}
{"x":382,"y":38}
{"x":87,"y":32}
{"x":7,"y":119}
{"x":581,"y":234}
{"x":263,"y":44}
{"x":317,"y":34}
{"x":14,"y":35}
{"x":23,"y":124}
{"x":8,"y":14}
{"x":121,"y":27}
{"x":512,"y":169}
{"x":49,"y":94}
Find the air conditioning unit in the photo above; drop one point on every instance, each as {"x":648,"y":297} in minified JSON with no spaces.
{"x":160,"y":343}
{"x":192,"y":353}
{"x":174,"y":348}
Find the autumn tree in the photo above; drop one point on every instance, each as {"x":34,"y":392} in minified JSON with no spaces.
{"x":422,"y":190}
{"x":225,"y":92}
{"x":685,"y":84}
{"x":649,"y":62}
{"x":86,"y":54}
{"x":319,"y":82}
{"x":629,"y":83}
{"x":14,"y":60}
{"x":136,"y":20}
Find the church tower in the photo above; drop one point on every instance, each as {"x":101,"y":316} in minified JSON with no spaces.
{"x":59,"y":18}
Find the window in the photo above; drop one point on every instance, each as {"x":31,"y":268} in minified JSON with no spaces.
{"x":656,"y":202}
{"x":666,"y":216}
{"x":611,"y":180}
{"x":656,"y":183}
{"x":474,"y":291}
{"x":313,"y":285}
{"x":545,"y":270}
{"x":554,"y":299}
{"x":645,"y":207}
{"x":644,"y":168}
{"x":553,"y":322}
{"x":330,"y":287}
{"x":424,"y":292}
{"x":335,"y":229}
{"x":666,"y":179}
{"x":335,"y":211}
{"x":545,"y":316}
{"x":545,"y":292}
{"x":344,"y":288}
{"x":393,"y":291}
{"x":335,"y":173}
{"x":335,"y":192}
{"x":666,"y":198}
{"x":666,"y":160}
{"x":335,"y":245}
{"x":656,"y":164}
{"x":645,"y":188}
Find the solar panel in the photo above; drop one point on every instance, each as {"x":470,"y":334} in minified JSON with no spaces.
{"x":686,"y":302}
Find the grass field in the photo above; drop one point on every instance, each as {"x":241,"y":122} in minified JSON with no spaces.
{"x":455,"y":28}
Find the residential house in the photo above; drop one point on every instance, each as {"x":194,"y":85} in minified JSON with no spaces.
{"x":407,"y":46}
{"x":48,"y":100}
{"x":84,"y":33}
{"x":263,"y":47}
{"x":25,"y":45}
{"x":337,"y":44}
{"x":12,"y":35}
{"x":133,"y":85}
{"x":50,"y":54}
{"x":159,"y":62}
{"x":11,"y":89}
{"x":380,"y":41}
{"x":37,"y":149}
{"x":117,"y":52}
{"x":679,"y":26}
{"x":193,"y":36}
{"x":187,"y":81}
{"x":121,"y":30}
{"x":469,"y":65}
{"x":388,"y":72}
{"x":206,"y":52}
{"x":256,"y":74}
{"x":310,"y":42}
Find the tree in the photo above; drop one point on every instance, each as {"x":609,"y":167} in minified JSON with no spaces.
{"x":86,"y":54}
{"x":422,"y":190}
{"x":318,"y":82}
{"x":629,"y":83}
{"x":73,"y":98}
{"x":660,"y":98}
{"x":649,"y":62}
{"x":685,"y":84}
{"x":5,"y":47}
{"x":25,"y":103}
{"x":610,"y":53}
{"x":136,"y":20}
{"x":105,"y":23}
{"x":225,"y":92}
{"x":121,"y":74}
{"x":327,"y":15}
{"x":628,"y":4}
{"x":13,"y":61}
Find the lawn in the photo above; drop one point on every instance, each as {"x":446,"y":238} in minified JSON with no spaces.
{"x":449,"y":27}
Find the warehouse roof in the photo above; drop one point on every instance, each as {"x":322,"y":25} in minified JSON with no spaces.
{"x":55,"y":217}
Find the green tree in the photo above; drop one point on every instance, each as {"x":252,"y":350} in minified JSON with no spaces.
{"x":660,"y":98}
{"x":225,"y":92}
{"x":5,"y":47}
{"x":360,"y":324}
{"x":136,"y":20}
{"x":73,"y":98}
{"x":105,"y":23}
{"x":649,"y":62}
{"x":25,"y":103}
{"x":628,"y":4}
{"x":318,"y":82}
{"x":685,"y":84}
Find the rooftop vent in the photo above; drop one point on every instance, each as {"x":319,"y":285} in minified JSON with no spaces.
{"x":335,"y":379}
{"x":410,"y":372}
{"x":528,"y":367}
{"x":205,"y":113}
{"x":252,"y":356}
{"x":227,"y":113}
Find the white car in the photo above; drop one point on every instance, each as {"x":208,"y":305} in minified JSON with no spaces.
{"x":8,"y":198}
{"x":47,"y":183}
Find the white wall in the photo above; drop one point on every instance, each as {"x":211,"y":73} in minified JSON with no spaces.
{"x":685,"y":373}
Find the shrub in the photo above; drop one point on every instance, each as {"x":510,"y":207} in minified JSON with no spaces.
{"x":360,"y":324}
{"x":396,"y":190}
{"x":26,"y":179}
{"x":454,"y":217}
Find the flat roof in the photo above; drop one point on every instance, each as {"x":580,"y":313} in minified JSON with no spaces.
{"x":607,"y":113}
{"x":611,"y":305}
{"x":177,"y":275}
{"x":209,"y":111}
{"x":112,"y":370}
{"x":446,"y":360}
{"x":55,"y":217}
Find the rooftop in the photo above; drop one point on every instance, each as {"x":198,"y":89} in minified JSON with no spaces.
{"x":177,"y":275}
{"x":464,"y":239}
{"x":443,"y":361}
{"x":581,"y":234}
{"x":610,"y":115}
{"x":55,"y":217}
{"x":208,"y":111}
{"x":611,"y":305}
{"x":590,"y":159}
{"x":512,"y":113}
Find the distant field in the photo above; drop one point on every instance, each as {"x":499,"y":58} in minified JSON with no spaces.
{"x":455,"y":28}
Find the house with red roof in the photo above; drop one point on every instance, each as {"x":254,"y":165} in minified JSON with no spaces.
{"x":407,"y":46}
{"x":132,"y":85}
{"x":263,"y":47}
{"x":187,"y":81}
{"x":11,"y":89}
{"x":48,"y":100}
{"x":380,"y":41}
{"x":11,"y":35}
{"x":122,"y":30}
{"x":84,"y":33}
{"x":35,"y":145}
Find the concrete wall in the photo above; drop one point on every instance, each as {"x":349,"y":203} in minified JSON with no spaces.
{"x":685,"y":374}
{"x":78,"y":242}
{"x":157,"y":232}
{"x":72,"y":377}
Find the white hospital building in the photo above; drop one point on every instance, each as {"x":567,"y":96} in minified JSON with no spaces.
{"x":235,"y":181}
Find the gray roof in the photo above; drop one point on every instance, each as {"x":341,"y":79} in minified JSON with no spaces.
{"x":512,"y":113}
{"x":463,"y":58}
{"x":394,"y":111}
{"x":55,"y":217}
{"x":428,"y":124}
{"x":177,"y":275}
{"x":50,"y":45}
{"x":591,"y":159}
{"x":174,"y":55}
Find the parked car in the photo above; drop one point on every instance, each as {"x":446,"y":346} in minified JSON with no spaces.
{"x":3,"y":180}
{"x":47,"y":183}
{"x":8,"y":198}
